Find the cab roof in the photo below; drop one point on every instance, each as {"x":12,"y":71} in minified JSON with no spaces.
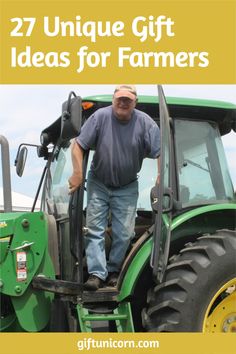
{"x":170,"y":101}
{"x":223,"y":113}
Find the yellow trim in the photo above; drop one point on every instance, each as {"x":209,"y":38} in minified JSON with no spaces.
{"x":5,"y":239}
{"x":223,"y":317}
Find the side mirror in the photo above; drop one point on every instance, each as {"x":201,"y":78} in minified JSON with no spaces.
{"x":21,"y":157}
{"x":71,"y":117}
{"x":20,"y":160}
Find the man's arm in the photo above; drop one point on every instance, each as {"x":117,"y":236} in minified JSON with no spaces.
{"x":77,"y":154}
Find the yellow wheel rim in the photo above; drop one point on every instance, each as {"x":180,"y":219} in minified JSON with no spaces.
{"x":221,"y":312}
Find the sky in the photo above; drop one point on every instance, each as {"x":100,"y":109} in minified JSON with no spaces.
{"x":27,"y":109}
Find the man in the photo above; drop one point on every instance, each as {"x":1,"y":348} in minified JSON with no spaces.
{"x":122,"y":137}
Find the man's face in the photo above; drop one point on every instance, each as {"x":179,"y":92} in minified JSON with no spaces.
{"x":123,"y":107}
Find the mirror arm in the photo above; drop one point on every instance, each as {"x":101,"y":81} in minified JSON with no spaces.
{"x":40,"y":184}
{"x":18,"y":151}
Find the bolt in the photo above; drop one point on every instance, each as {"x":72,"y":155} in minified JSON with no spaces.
{"x":25,"y":223}
{"x":18,"y":289}
{"x":225,"y":327}
{"x":229,"y":320}
{"x":85,"y":230}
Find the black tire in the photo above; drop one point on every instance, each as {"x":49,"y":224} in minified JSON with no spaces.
{"x":199,"y":279}
{"x":58,"y":320}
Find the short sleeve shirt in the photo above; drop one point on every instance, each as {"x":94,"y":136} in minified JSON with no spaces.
{"x":120,"y":147}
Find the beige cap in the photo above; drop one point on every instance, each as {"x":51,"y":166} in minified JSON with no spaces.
{"x":126,"y":91}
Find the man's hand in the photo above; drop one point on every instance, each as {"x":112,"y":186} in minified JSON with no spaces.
{"x":74,"y":182}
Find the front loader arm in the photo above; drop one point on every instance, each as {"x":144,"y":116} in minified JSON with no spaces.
{"x":25,"y":255}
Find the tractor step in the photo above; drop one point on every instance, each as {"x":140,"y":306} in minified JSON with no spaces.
{"x":64,"y":287}
{"x":106,"y":294}
{"x":121,"y":315}
{"x":93,"y":306}
{"x":56,"y":286}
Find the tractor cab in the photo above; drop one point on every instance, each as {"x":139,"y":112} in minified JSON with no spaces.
{"x":194,"y":170}
{"x":184,"y":232}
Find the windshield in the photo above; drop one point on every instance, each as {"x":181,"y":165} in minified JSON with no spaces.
{"x":203,"y":175}
{"x":201,"y":164}
{"x":56,"y":199}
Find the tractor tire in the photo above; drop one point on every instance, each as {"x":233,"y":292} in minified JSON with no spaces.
{"x":58,"y":320}
{"x":199,"y":291}
{"x":63,"y":317}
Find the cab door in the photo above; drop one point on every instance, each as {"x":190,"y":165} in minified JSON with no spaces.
{"x":164,"y":194}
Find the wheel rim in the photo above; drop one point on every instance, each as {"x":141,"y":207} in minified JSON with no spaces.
{"x":221,"y":312}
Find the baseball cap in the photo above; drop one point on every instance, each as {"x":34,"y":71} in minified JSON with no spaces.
{"x":126,"y":91}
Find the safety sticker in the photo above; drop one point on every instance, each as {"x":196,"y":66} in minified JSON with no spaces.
{"x":21,"y":274}
{"x":21,"y":270}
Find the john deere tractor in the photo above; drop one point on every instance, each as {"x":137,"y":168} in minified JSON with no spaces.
{"x":179,"y":274}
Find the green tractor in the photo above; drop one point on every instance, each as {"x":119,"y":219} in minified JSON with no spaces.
{"x":179,"y":274}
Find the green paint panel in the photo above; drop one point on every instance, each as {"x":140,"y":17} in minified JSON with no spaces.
{"x":7,"y":223}
{"x":29,"y":233}
{"x":143,"y":255}
{"x":126,"y":324}
{"x":135,"y":268}
{"x":122,"y":315}
{"x":29,"y":229}
{"x":201,"y":210}
{"x":33,"y":307}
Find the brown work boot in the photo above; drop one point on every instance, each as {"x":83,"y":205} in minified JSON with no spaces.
{"x":112,"y":279}
{"x":93,"y":283}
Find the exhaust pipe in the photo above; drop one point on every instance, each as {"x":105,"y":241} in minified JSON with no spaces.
{"x":6,"y":176}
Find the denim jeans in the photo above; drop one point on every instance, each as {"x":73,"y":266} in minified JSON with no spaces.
{"x":121,"y":203}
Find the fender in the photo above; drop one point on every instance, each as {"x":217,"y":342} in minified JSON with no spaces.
{"x":136,"y":262}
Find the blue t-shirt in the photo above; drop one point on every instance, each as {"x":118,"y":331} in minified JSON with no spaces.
{"x":120,"y":147}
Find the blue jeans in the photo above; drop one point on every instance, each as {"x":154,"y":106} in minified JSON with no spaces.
{"x":122,"y":204}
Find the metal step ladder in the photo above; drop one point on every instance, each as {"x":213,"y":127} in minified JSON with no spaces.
{"x":110,"y":310}
{"x":100,"y":305}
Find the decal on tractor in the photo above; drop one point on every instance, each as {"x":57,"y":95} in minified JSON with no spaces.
{"x":21,"y":270}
